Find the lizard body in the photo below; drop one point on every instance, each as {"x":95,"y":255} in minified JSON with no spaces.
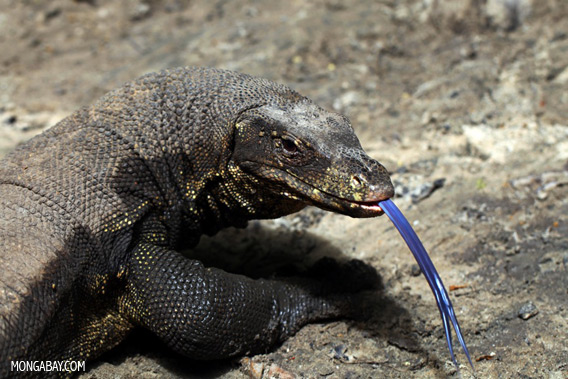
{"x":94,"y":211}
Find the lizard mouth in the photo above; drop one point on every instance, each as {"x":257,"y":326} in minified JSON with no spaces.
{"x":325,"y":200}
{"x":372,"y":206}
{"x":353,"y":208}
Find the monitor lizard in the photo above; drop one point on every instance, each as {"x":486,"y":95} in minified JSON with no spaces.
{"x":94,"y":212}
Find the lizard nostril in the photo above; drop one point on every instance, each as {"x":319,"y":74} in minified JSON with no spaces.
{"x":355,"y":181}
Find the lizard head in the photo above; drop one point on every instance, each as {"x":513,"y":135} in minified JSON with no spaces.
{"x":310,"y":155}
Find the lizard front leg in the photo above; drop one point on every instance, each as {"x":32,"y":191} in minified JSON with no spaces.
{"x":207,"y":313}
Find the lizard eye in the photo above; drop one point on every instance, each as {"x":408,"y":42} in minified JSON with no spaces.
{"x":289,"y":146}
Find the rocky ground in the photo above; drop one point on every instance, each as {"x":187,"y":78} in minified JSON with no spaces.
{"x":465,"y":102}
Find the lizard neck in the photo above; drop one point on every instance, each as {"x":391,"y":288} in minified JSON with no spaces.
{"x":231,"y":197}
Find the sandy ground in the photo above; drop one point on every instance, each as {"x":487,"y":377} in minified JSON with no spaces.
{"x":472,"y":92}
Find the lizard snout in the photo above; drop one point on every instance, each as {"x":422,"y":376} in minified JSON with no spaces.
{"x":372,"y":190}
{"x":371,"y":182}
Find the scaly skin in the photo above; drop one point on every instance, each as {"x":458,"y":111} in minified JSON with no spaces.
{"x":94,"y":210}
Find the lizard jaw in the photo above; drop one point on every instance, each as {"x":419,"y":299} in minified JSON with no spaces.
{"x":331,"y":202}
{"x":362,"y":209}
{"x":372,"y":206}
{"x":293,"y":187}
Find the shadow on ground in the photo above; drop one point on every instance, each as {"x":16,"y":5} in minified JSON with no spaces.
{"x":260,"y":251}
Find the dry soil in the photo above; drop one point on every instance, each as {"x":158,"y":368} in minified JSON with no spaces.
{"x":465,"y":102}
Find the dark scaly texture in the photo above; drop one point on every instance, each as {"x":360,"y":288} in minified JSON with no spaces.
{"x":93,"y":211}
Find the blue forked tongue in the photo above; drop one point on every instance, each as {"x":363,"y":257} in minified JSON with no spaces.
{"x":427,"y":267}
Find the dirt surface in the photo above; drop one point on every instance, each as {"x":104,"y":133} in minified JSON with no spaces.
{"x":473,"y":92}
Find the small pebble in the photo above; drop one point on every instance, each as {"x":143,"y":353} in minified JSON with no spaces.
{"x":527,"y":311}
{"x":140,"y":11}
{"x":415,"y":270}
{"x":338,"y":352}
{"x":11,"y":120}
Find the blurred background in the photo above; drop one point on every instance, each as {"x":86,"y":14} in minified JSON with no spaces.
{"x":465,"y":102}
